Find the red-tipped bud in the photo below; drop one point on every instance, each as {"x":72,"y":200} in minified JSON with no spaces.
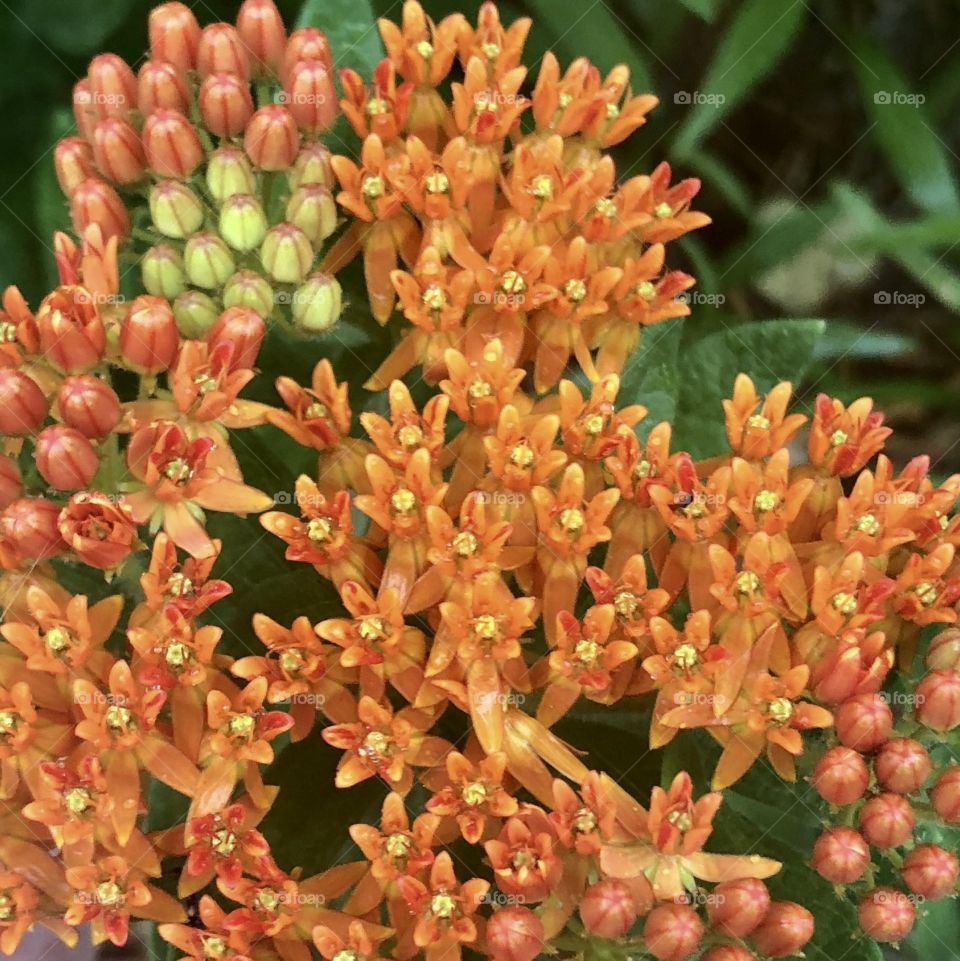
{"x":175,"y":209}
{"x":222,"y":51}
{"x":887,"y":821}
{"x":195,"y":313}
{"x":312,"y":166}
{"x":307,"y":43}
{"x":148,"y":335}
{"x":840,"y":855}
{"x":163,"y":272}
{"x":672,"y":932}
{"x":98,"y":530}
{"x":286,"y":254}
{"x":944,"y":651}
{"x":902,"y":765}
{"x":272,"y":138}
{"x":243,"y":224}
{"x":72,"y":337}
{"x":65,"y":458}
{"x":118,"y":151}
{"x":930,"y":871}
{"x":174,"y":35}
{"x":886,"y":914}
{"x":11,"y":483}
{"x":208,"y":261}
{"x":261,"y":28}
{"x":113,"y":87}
{"x":945,"y":795}
{"x":225,"y":104}
{"x":514,"y":934}
{"x":786,"y":928}
{"x":22,"y":404}
{"x":247,"y":288}
{"x":171,"y":144}
{"x":229,"y":173}
{"x":313,"y":209}
{"x":735,"y":908}
{"x":96,"y":202}
{"x":310,"y":95}
{"x":841,"y":776}
{"x":73,"y":162}
{"x":89,"y":405}
{"x":607,"y":909}
{"x":83,"y":111}
{"x":244,"y":329}
{"x":937,"y":699}
{"x":160,"y":86}
{"x":30,"y":524}
{"x":727,"y":952}
{"x":864,"y":722}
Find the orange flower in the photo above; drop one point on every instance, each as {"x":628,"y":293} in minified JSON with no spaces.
{"x":525,"y":864}
{"x":185,"y":586}
{"x":756,"y":433}
{"x":842,"y":439}
{"x":407,"y":431}
{"x":474,"y":793}
{"x":381,"y":110}
{"x":396,"y":848}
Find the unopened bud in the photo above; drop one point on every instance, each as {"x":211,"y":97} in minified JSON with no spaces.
{"x":945,"y":795}
{"x":672,"y":932}
{"x":261,"y":28}
{"x":886,"y":914}
{"x":222,"y":51}
{"x":317,"y":304}
{"x":312,"y":166}
{"x":309,"y":93}
{"x":96,"y":202}
{"x":286,"y":254}
{"x":727,"y":952}
{"x":208,"y":261}
{"x":607,"y":909}
{"x":271,"y":139}
{"x":930,"y":871}
{"x":175,"y":209}
{"x":30,"y":524}
{"x":22,"y":404}
{"x":118,"y":151}
{"x":735,"y":908}
{"x":148,"y":335}
{"x":229,"y":173}
{"x":73,"y":162}
{"x":160,"y":86}
{"x":887,"y":821}
{"x":171,"y":144}
{"x":89,"y":405}
{"x":938,"y":701}
{"x":225,"y":104}
{"x":163,"y":273}
{"x":785,"y":929}
{"x":113,"y":86}
{"x":247,"y":288}
{"x":83,"y":111}
{"x":840,"y":776}
{"x":244,"y":329}
{"x":944,"y":651}
{"x":514,"y":934}
{"x":243,"y":224}
{"x":72,"y":336}
{"x":840,"y":855}
{"x":313,"y":209}
{"x":195,"y":313}
{"x":902,"y":765}
{"x":864,"y":722}
{"x":307,"y":43}
{"x":174,"y":35}
{"x":65,"y":458}
{"x":11,"y":483}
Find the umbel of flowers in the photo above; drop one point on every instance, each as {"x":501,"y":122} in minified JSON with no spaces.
{"x":527,"y":540}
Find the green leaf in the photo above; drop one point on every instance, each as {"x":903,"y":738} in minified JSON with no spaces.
{"x":351,"y":29}
{"x":768,"y":351}
{"x":916,"y":153}
{"x":650,"y":375}
{"x":937,"y":230}
{"x":759,"y":35}
{"x":74,"y":28}
{"x":705,"y":9}
{"x":720,"y":177}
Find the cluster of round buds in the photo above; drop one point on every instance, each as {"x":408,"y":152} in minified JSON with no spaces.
{"x":881,"y":779}
{"x":221,"y":128}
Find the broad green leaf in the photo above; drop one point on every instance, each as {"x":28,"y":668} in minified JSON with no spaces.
{"x":916,"y":153}
{"x":73,"y":28}
{"x":854,"y":342}
{"x":650,"y":375}
{"x":705,"y":9}
{"x":720,"y":177}
{"x":759,"y":35}
{"x":937,"y":230}
{"x":350,"y":27}
{"x":768,"y":351}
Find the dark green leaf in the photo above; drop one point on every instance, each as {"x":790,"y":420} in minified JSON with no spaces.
{"x":73,"y":28}
{"x":650,"y":376}
{"x":350,"y":27}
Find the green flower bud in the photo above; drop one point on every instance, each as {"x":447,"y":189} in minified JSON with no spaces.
{"x":228,"y":173}
{"x":312,"y":166}
{"x":286,"y":254}
{"x":162,"y":269}
{"x":248,"y":289}
{"x":317,"y":304}
{"x":195,"y":313}
{"x":175,"y":209}
{"x":313,"y":209}
{"x":243,"y":224}
{"x":208,"y":261}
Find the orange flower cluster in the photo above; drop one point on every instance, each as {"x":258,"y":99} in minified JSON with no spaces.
{"x":504,"y":548}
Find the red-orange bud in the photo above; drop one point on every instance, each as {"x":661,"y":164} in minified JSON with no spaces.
{"x":88,"y":404}
{"x":242,"y":327}
{"x":65,"y":458}
{"x":96,"y":202}
{"x":735,"y":908}
{"x":945,"y":795}
{"x":118,"y":151}
{"x":160,"y":86}
{"x":727,"y":952}
{"x":514,"y":934}
{"x":171,"y":144}
{"x":222,"y":51}
{"x":886,"y":914}
{"x":22,"y":404}
{"x":902,"y":765}
{"x":83,"y":111}
{"x":944,"y":651}
{"x":930,"y":871}
{"x":887,"y":821}
{"x":73,"y":162}
{"x":148,"y":335}
{"x":113,"y":86}
{"x":607,"y":909}
{"x":672,"y":932}
{"x":310,"y":95}
{"x":30,"y":524}
{"x":225,"y":104}
{"x":840,"y":776}
{"x":174,"y":35}
{"x":261,"y":28}
{"x":840,"y":855}
{"x":937,"y":699}
{"x":11,"y":483}
{"x":786,"y":928}
{"x":271,"y":138}
{"x":864,"y":722}
{"x":71,"y":331}
{"x":307,"y":43}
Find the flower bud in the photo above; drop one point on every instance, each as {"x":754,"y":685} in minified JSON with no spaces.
{"x":261,"y":28}
{"x":309,"y":93}
{"x":22,"y":404}
{"x":886,"y":914}
{"x":514,"y":934}
{"x":225,"y":104}
{"x":840,"y":776}
{"x":171,"y":144}
{"x":73,"y":162}
{"x":11,"y":483}
{"x":65,"y":458}
{"x":840,"y":855}
{"x":244,"y":329}
{"x":148,"y":335}
{"x":672,"y":932}
{"x":229,"y":173}
{"x":286,"y":254}
{"x":208,"y":261}
{"x":944,"y":651}
{"x":307,"y":43}
{"x":312,"y":166}
{"x":937,"y":699}
{"x":162,"y":270}
{"x":113,"y":87}
{"x":243,"y":224}
{"x":89,"y":405}
{"x":96,"y":202}
{"x":30,"y":524}
{"x":71,"y":332}
{"x":735,"y":908}
{"x":313,"y":209}
{"x":160,"y":86}
{"x":887,"y":821}
{"x":175,"y":209}
{"x":118,"y":151}
{"x":100,"y":532}
{"x":786,"y":928}
{"x":174,"y":35}
{"x":317,"y":304}
{"x":84,"y":113}
{"x":222,"y":51}
{"x":607,"y":909}
{"x":272,"y":138}
{"x":902,"y":765}
{"x":864,"y":722}
{"x":930,"y":871}
{"x":247,"y":288}
{"x":727,"y":952}
{"x":195,"y":313}
{"x":945,"y":795}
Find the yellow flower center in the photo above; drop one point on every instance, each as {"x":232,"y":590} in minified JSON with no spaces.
{"x":397,"y":845}
{"x":442,"y":906}
{"x":109,"y":893}
{"x":9,"y":722}
{"x":410,"y":436}
{"x":6,"y":908}
{"x":77,"y":800}
{"x":319,"y":529}
{"x":377,"y":107}
{"x":490,"y":50}
{"x":371,"y":628}
{"x":267,"y":900}
{"x":747,"y":582}
{"x":837,"y":438}
{"x":118,"y":719}
{"x":605,"y":207}
{"x":372,"y":187}
{"x":375,"y":745}
{"x":765,"y":501}
{"x":642,"y":470}
{"x":780,"y":709}
{"x":214,"y":948}
{"x":465,"y":544}
{"x":681,"y":820}
{"x":479,"y":389}
{"x":758,"y":422}
{"x":645,"y":291}
{"x":57,"y":640}
{"x":316,"y":411}
{"x":845,"y":603}
{"x":686,"y":656}
{"x":593,"y":425}
{"x":241,"y":727}
{"x":291,"y":662}
{"x":177,"y":655}
{"x":625,"y":603}
{"x":575,"y":290}
{"x":564,"y":100}
{"x":433,"y":297}
{"x":572,"y":520}
{"x":521,"y":456}
{"x":584,"y":821}
{"x":178,"y":471}
{"x":586,"y":651}
{"x":868,"y":524}
{"x":437,"y":182}
{"x":224,"y":841}
{"x":485,"y":626}
{"x":8,"y":332}
{"x":663,"y":210}
{"x":612,"y":111}
{"x":179,"y":585}
{"x":474,"y":794}
{"x":425,"y":49}
{"x":204,"y":383}
{"x":926,"y":593}
{"x":346,"y":954}
{"x":512,"y":283}
{"x":403,"y":501}
{"x":542,"y":187}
